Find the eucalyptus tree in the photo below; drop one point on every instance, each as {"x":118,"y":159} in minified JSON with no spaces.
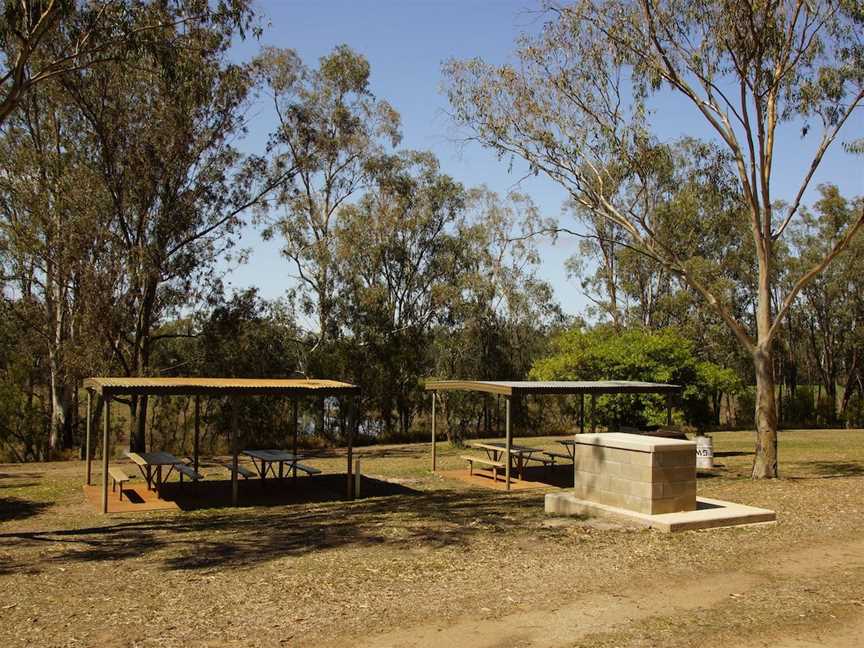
{"x":238,"y":335}
{"x":51,"y":236}
{"x":24,"y":420}
{"x":576,"y":106}
{"x":504,"y":311}
{"x":694,"y":189}
{"x":502,"y":276}
{"x":330,"y":129}
{"x":831,"y":310}
{"x":161,"y":130}
{"x":398,"y":258}
{"x":43,"y":39}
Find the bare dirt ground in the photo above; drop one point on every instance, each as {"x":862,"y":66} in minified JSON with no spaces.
{"x":425,"y":561}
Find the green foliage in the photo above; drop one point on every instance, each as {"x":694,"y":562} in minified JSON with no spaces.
{"x":576,"y":105}
{"x":745,"y":407}
{"x":24,"y":415}
{"x":854,"y":415}
{"x":240,"y":336}
{"x":798,"y":408}
{"x":398,"y":262}
{"x":331,"y":136}
{"x":637,"y":354}
{"x":43,"y":40}
{"x":826,"y":328}
{"x":504,"y":313}
{"x":124,"y":189}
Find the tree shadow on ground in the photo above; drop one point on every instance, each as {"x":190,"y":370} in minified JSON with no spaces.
{"x":19,"y":485}
{"x":830,"y":469}
{"x":212,"y":494}
{"x":404,"y":452}
{"x":369,"y":452}
{"x":231,"y":539}
{"x":15,"y":508}
{"x":559,"y":476}
{"x":733,"y":453}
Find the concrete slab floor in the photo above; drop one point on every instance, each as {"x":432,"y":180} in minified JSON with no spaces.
{"x":483,"y":479}
{"x":135,"y":498}
{"x":709,"y":513}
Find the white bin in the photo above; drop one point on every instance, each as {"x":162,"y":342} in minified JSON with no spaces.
{"x":704,"y":452}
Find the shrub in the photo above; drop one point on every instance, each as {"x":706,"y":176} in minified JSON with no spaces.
{"x":636,"y":354}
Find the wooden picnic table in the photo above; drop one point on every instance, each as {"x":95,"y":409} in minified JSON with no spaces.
{"x":263,"y":461}
{"x":570,"y":446}
{"x":495,"y":450}
{"x":150,"y":464}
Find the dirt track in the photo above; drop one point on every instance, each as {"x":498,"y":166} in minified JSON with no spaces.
{"x":676,"y":600}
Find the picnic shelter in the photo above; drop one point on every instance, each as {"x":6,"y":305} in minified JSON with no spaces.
{"x":108,"y":388}
{"x":517,"y":389}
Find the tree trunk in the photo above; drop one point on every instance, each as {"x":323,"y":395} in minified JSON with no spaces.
{"x":73,"y":417}
{"x":849,"y":387}
{"x":765,"y":461}
{"x":134,"y":446}
{"x":717,"y":405}
{"x":141,"y":361}
{"x":141,"y":426}
{"x":58,"y":409}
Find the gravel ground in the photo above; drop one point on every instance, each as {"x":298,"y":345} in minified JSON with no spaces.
{"x":322,"y":571}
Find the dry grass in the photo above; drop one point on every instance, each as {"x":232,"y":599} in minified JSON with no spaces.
{"x":435,"y":550}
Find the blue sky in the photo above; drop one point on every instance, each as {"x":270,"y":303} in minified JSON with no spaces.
{"x":406,"y":41}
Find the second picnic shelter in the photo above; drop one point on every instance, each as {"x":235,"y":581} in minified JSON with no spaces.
{"x":516,"y":389}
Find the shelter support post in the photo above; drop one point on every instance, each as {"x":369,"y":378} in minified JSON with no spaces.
{"x":668,"y":409}
{"x":593,"y":413}
{"x":235,"y":452}
{"x":105,"y":451}
{"x":434,"y":444}
{"x":581,"y":431}
{"x":294,"y":440}
{"x":352,"y":421}
{"x":508,"y":442}
{"x":357,"y":477}
{"x":196,"y":450}
{"x":581,"y":413}
{"x":87,"y":458}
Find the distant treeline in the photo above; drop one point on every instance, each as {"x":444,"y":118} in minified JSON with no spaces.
{"x":124,"y":192}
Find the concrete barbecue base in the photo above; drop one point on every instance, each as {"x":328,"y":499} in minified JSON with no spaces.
{"x":709,"y":513}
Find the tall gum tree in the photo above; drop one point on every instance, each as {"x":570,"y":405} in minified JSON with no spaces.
{"x":161,"y":133}
{"x":576,"y":106}
{"x":41,"y":40}
{"x":330,"y":129}
{"x":49,"y":237}
{"x":53,"y":216}
{"x":398,"y":265}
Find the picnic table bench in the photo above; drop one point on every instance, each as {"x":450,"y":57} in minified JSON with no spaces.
{"x":495,"y":465}
{"x":309,"y":470}
{"x":553,"y":455}
{"x":521,"y":454}
{"x":570,"y":447}
{"x":242,"y":470}
{"x":118,"y":476}
{"x":187,"y":471}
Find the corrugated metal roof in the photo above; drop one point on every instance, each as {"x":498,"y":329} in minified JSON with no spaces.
{"x":510,"y":387}
{"x":119,"y":385}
